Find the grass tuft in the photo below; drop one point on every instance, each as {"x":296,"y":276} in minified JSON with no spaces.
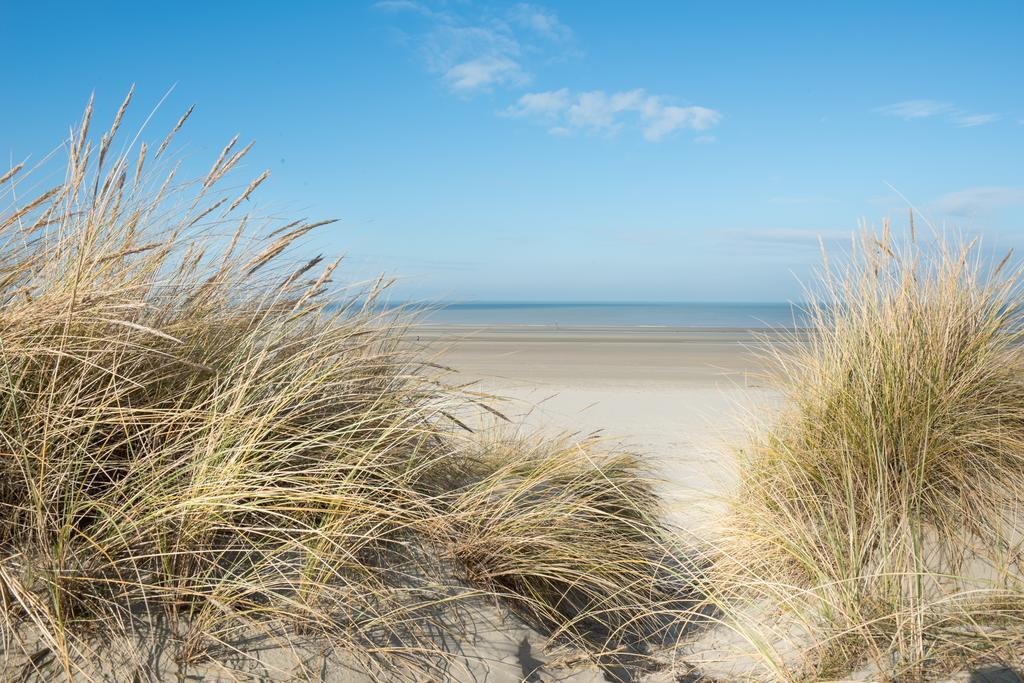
{"x":881,"y":512}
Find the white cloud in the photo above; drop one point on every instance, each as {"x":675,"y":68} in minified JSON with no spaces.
{"x":544,"y":104}
{"x":910,"y":110}
{"x":975,"y":201}
{"x":541,"y":21}
{"x":598,"y":112}
{"x":665,"y":120}
{"x":483,"y":73}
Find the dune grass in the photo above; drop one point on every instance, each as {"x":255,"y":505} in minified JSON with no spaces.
{"x":880,"y":513}
{"x":571,"y":533}
{"x":206,"y":443}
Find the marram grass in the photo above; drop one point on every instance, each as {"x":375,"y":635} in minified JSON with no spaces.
{"x":881,"y":513}
{"x":198,"y":453}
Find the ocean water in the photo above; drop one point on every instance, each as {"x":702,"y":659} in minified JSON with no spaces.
{"x":589,"y":314}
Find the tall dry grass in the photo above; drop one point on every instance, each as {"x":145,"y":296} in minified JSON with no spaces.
{"x":206,"y":445}
{"x":880,"y":514}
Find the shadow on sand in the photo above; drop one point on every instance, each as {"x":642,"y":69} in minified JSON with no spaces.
{"x":996,"y":674}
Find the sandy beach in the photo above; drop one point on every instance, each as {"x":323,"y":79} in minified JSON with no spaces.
{"x":680,"y":396}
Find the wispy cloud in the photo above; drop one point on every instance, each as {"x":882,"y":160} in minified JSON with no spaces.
{"x":977,"y":201}
{"x":598,"y":112}
{"x":971,"y":120}
{"x":911,"y":110}
{"x":473,"y":58}
{"x":483,"y":73}
{"x":477,"y":51}
{"x":542,"y":21}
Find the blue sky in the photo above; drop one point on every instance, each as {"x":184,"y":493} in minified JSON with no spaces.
{"x":563,"y":151}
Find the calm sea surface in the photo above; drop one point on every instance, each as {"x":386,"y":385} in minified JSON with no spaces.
{"x":557,"y":315}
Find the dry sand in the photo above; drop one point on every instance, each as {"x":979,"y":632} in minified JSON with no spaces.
{"x":680,"y":396}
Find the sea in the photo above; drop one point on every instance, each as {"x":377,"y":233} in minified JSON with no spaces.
{"x":556,"y":315}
